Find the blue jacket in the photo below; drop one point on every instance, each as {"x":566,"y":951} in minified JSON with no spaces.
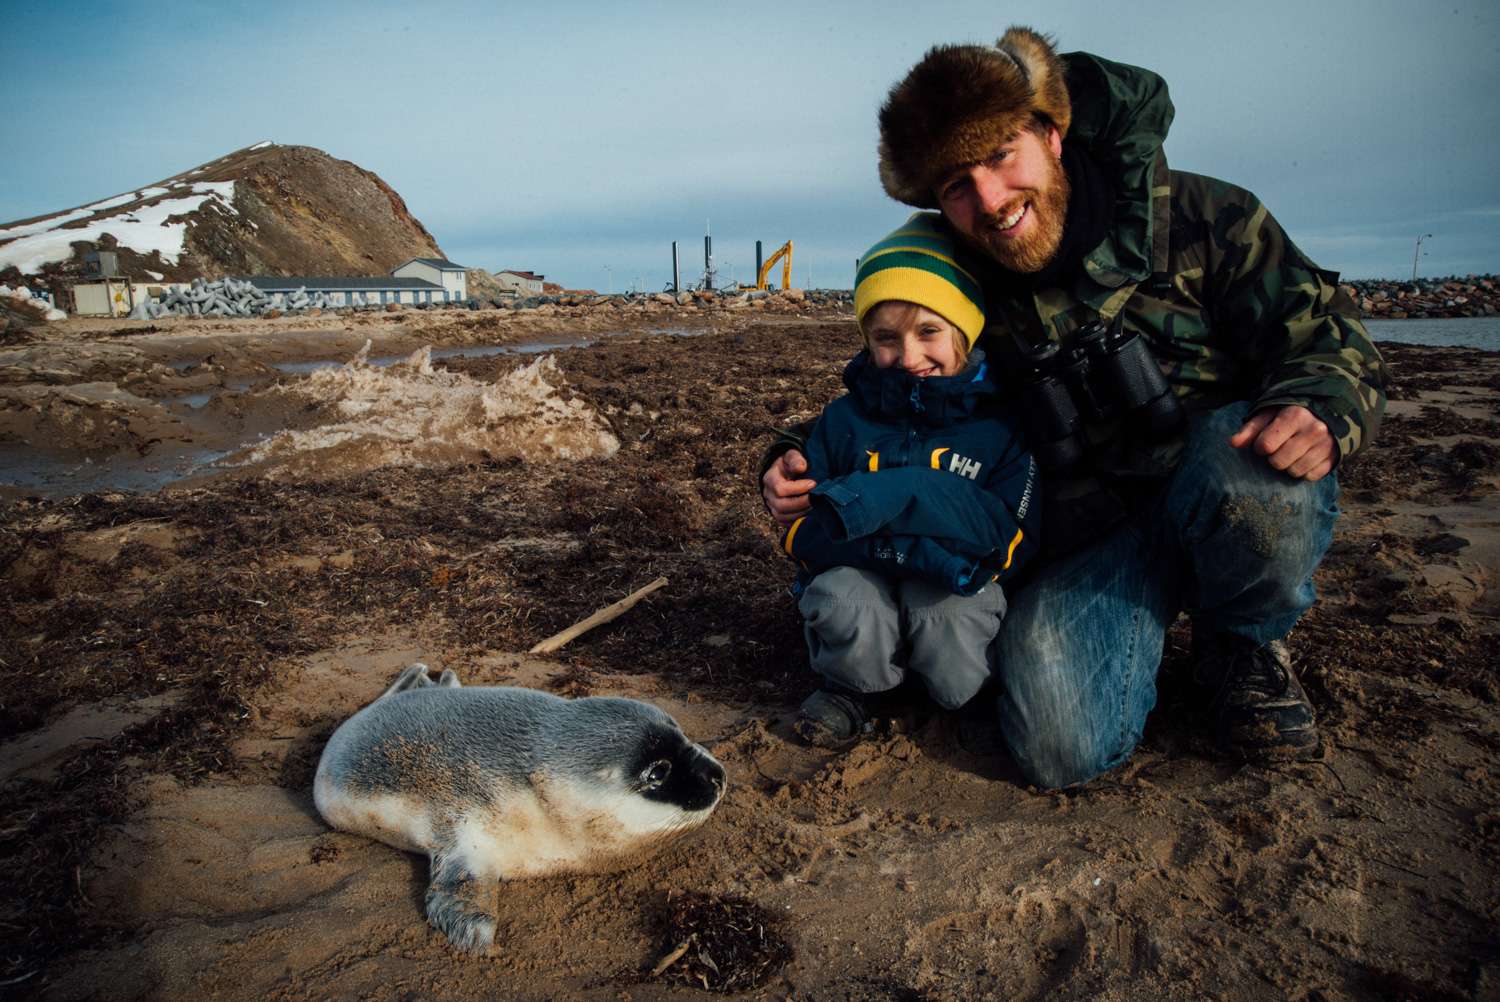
{"x":921,"y":478}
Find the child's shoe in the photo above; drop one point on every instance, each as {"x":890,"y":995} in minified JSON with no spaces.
{"x":979,"y":723}
{"x":832,"y":719}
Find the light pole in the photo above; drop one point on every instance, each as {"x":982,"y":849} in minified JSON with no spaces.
{"x":1416,"y":253}
{"x":609,"y":281}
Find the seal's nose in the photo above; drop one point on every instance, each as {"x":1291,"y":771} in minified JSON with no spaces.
{"x":715,"y":774}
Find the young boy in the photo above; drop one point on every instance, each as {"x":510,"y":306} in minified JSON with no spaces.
{"x":926,"y":500}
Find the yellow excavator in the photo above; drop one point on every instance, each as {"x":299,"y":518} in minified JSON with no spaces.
{"x":784,"y":255}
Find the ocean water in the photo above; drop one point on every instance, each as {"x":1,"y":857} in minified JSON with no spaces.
{"x":1458,"y":332}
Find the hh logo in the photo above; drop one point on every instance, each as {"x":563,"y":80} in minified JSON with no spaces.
{"x":961,"y":465}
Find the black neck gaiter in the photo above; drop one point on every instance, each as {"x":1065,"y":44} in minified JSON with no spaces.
{"x":1090,"y":200}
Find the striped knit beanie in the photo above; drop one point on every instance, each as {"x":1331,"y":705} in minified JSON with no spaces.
{"x":916,"y":263}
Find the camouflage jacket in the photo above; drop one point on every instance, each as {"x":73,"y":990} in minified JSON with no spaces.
{"x":1231,"y":309}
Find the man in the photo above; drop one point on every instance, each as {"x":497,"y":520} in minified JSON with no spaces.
{"x":1049,"y":168}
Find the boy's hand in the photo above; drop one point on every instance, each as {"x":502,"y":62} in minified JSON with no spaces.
{"x":783,"y":490}
{"x":1292,"y":439}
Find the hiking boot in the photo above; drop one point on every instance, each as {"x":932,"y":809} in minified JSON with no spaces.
{"x":979,"y":723}
{"x":830,"y":719}
{"x":1259,"y":709}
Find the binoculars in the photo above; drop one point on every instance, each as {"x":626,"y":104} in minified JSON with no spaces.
{"x":1108,"y":375}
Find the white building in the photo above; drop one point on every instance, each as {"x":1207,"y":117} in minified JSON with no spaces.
{"x":420,"y":280}
{"x":111,"y":297}
{"x":340,"y":291}
{"x":453,"y":277}
{"x":521,"y":281}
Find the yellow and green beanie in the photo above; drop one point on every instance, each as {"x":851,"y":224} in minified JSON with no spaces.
{"x":916,"y":263}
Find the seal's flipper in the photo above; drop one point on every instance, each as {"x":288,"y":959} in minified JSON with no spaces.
{"x":453,"y":906}
{"x":413,"y":677}
{"x":448,"y":679}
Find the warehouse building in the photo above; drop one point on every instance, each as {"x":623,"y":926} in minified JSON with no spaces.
{"x":420,"y":280}
{"x":341,"y":291}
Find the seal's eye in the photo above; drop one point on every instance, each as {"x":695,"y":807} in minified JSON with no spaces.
{"x":656,"y":773}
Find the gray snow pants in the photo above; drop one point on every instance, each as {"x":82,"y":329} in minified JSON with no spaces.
{"x":865,"y":631}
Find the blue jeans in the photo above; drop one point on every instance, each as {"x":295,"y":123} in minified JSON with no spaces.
{"x":1230,"y":539}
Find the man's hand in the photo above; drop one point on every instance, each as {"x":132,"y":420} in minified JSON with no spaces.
{"x":782,"y":489}
{"x":1292,"y":439}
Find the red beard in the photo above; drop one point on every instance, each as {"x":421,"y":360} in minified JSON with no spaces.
{"x":1049,"y":212}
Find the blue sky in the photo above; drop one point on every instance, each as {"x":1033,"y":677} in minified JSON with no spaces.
{"x":580,"y":139}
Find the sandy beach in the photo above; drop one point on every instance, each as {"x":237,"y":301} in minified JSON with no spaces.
{"x":176,"y":659}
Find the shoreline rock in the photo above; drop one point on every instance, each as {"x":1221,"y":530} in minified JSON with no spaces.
{"x":1426,"y":298}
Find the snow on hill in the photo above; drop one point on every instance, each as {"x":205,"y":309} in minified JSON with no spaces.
{"x":266,"y":209}
{"x":148,"y":229}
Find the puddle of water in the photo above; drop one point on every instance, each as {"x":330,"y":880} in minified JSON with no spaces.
{"x":464,"y":351}
{"x":476,"y":351}
{"x":198,"y":399}
{"x":27,"y":469}
{"x":530,"y":348}
{"x":195,"y":400}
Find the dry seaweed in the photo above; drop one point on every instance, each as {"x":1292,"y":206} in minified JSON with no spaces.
{"x":719,"y":944}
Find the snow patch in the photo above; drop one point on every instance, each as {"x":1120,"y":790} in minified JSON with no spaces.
{"x":44,"y":311}
{"x":144,"y":230}
{"x":110,"y":203}
{"x":52,"y":222}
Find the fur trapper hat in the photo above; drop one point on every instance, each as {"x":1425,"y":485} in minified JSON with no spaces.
{"x":962,"y":102}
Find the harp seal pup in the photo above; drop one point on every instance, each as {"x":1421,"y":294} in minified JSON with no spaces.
{"x":499,"y":783}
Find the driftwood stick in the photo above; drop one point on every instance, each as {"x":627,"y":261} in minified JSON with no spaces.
{"x":599,"y":618}
{"x":672,"y":957}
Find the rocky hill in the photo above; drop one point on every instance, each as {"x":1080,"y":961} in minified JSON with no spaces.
{"x":263,"y":210}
